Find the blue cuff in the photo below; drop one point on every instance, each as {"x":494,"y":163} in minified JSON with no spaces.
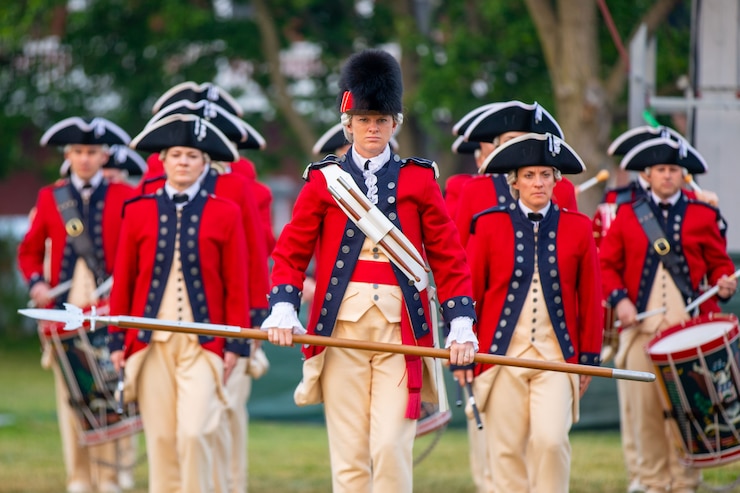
{"x":238,"y":346}
{"x":285,"y":293}
{"x":35,"y":279}
{"x":616,"y":296}
{"x":115,"y":341}
{"x":591,"y":359}
{"x":459,"y":306}
{"x":258,"y":315}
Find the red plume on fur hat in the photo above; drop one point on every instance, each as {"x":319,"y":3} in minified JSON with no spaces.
{"x":371,"y":82}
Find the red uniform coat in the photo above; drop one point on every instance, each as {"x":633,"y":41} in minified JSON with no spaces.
{"x":453,"y":191}
{"x":213,"y":253}
{"x":259,"y":193}
{"x":628,"y":194}
{"x":236,"y":189}
{"x":409,"y":195}
{"x":262,"y":197}
{"x":47,"y":223}
{"x":502,"y":249}
{"x":624,"y":251}
{"x":480,"y":193}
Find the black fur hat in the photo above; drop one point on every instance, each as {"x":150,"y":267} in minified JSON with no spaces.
{"x":371,"y":82}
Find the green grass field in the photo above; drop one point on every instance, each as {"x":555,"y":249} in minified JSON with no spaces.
{"x":284,"y":457}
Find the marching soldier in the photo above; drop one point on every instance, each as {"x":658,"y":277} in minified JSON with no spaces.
{"x":536,"y":281}
{"x":657,"y":251}
{"x":497,"y":125}
{"x":80,"y":218}
{"x":370,"y":289}
{"x":478,"y":451}
{"x":244,"y":192}
{"x":605,"y":214}
{"x":182,"y":257}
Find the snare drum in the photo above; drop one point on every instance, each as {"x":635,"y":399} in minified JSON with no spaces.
{"x":92,"y":382}
{"x":696,"y":365}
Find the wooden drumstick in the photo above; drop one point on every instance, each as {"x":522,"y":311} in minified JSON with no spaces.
{"x":473,"y":405}
{"x":119,"y":388}
{"x":708,"y":294}
{"x":643,"y":315}
{"x":689,"y":179}
{"x":600,"y":177}
{"x":459,"y":398}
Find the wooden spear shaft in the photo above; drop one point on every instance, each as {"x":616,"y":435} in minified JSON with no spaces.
{"x":314,"y":340}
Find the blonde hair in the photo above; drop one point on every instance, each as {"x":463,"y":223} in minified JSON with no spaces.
{"x":163,"y":154}
{"x":103,"y":147}
{"x":512,"y":176}
{"x":346,"y":119}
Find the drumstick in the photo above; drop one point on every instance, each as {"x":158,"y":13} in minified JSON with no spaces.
{"x":708,"y":294}
{"x":473,"y":405}
{"x":119,"y":388}
{"x":459,"y":398}
{"x":60,"y":288}
{"x":601,"y":176}
{"x":689,"y":179}
{"x":643,"y":315}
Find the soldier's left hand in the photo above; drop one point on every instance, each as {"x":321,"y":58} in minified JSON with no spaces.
{"x":727,"y":286}
{"x":584,"y":381}
{"x":230,"y":360}
{"x":462,"y":354}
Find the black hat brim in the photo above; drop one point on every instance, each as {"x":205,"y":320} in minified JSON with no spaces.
{"x":659,"y":151}
{"x":634,"y":136}
{"x":463,"y":123}
{"x":513,"y":116}
{"x":187,"y":131}
{"x":125,"y":158}
{"x":76,"y":130}
{"x":462,"y":146}
{"x":233,"y":127}
{"x":533,"y":149}
{"x":225,"y":121}
{"x":191,"y":91}
{"x":330,"y":141}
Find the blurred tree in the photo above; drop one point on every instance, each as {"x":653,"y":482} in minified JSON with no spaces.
{"x":281,"y":58}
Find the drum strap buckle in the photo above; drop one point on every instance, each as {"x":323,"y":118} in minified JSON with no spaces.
{"x":662,"y":246}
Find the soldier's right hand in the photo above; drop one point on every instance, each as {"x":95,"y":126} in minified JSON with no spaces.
{"x":116,"y":357}
{"x":40,"y":294}
{"x":627,"y":313}
{"x":280,"y":337}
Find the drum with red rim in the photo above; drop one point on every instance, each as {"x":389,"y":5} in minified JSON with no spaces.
{"x":696,"y":364}
{"x":83,"y":358}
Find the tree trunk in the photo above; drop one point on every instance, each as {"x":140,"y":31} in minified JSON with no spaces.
{"x":271,"y":50}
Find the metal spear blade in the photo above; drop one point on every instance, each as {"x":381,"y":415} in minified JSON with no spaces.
{"x":72,"y":317}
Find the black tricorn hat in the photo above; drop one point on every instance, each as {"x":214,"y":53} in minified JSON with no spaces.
{"x":195,"y":92}
{"x":187,"y":131}
{"x":332,"y":140}
{"x":236,"y":129}
{"x":121,"y":157}
{"x":512,"y":116}
{"x":371,"y":82}
{"x":125,"y":158}
{"x":462,"y":146}
{"x":533,"y":149}
{"x":663,"y":150}
{"x":463,"y":123}
{"x":629,"y":139}
{"x":76,"y":130}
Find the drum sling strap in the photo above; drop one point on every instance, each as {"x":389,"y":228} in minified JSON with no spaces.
{"x":671,"y":261}
{"x":76,"y":231}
